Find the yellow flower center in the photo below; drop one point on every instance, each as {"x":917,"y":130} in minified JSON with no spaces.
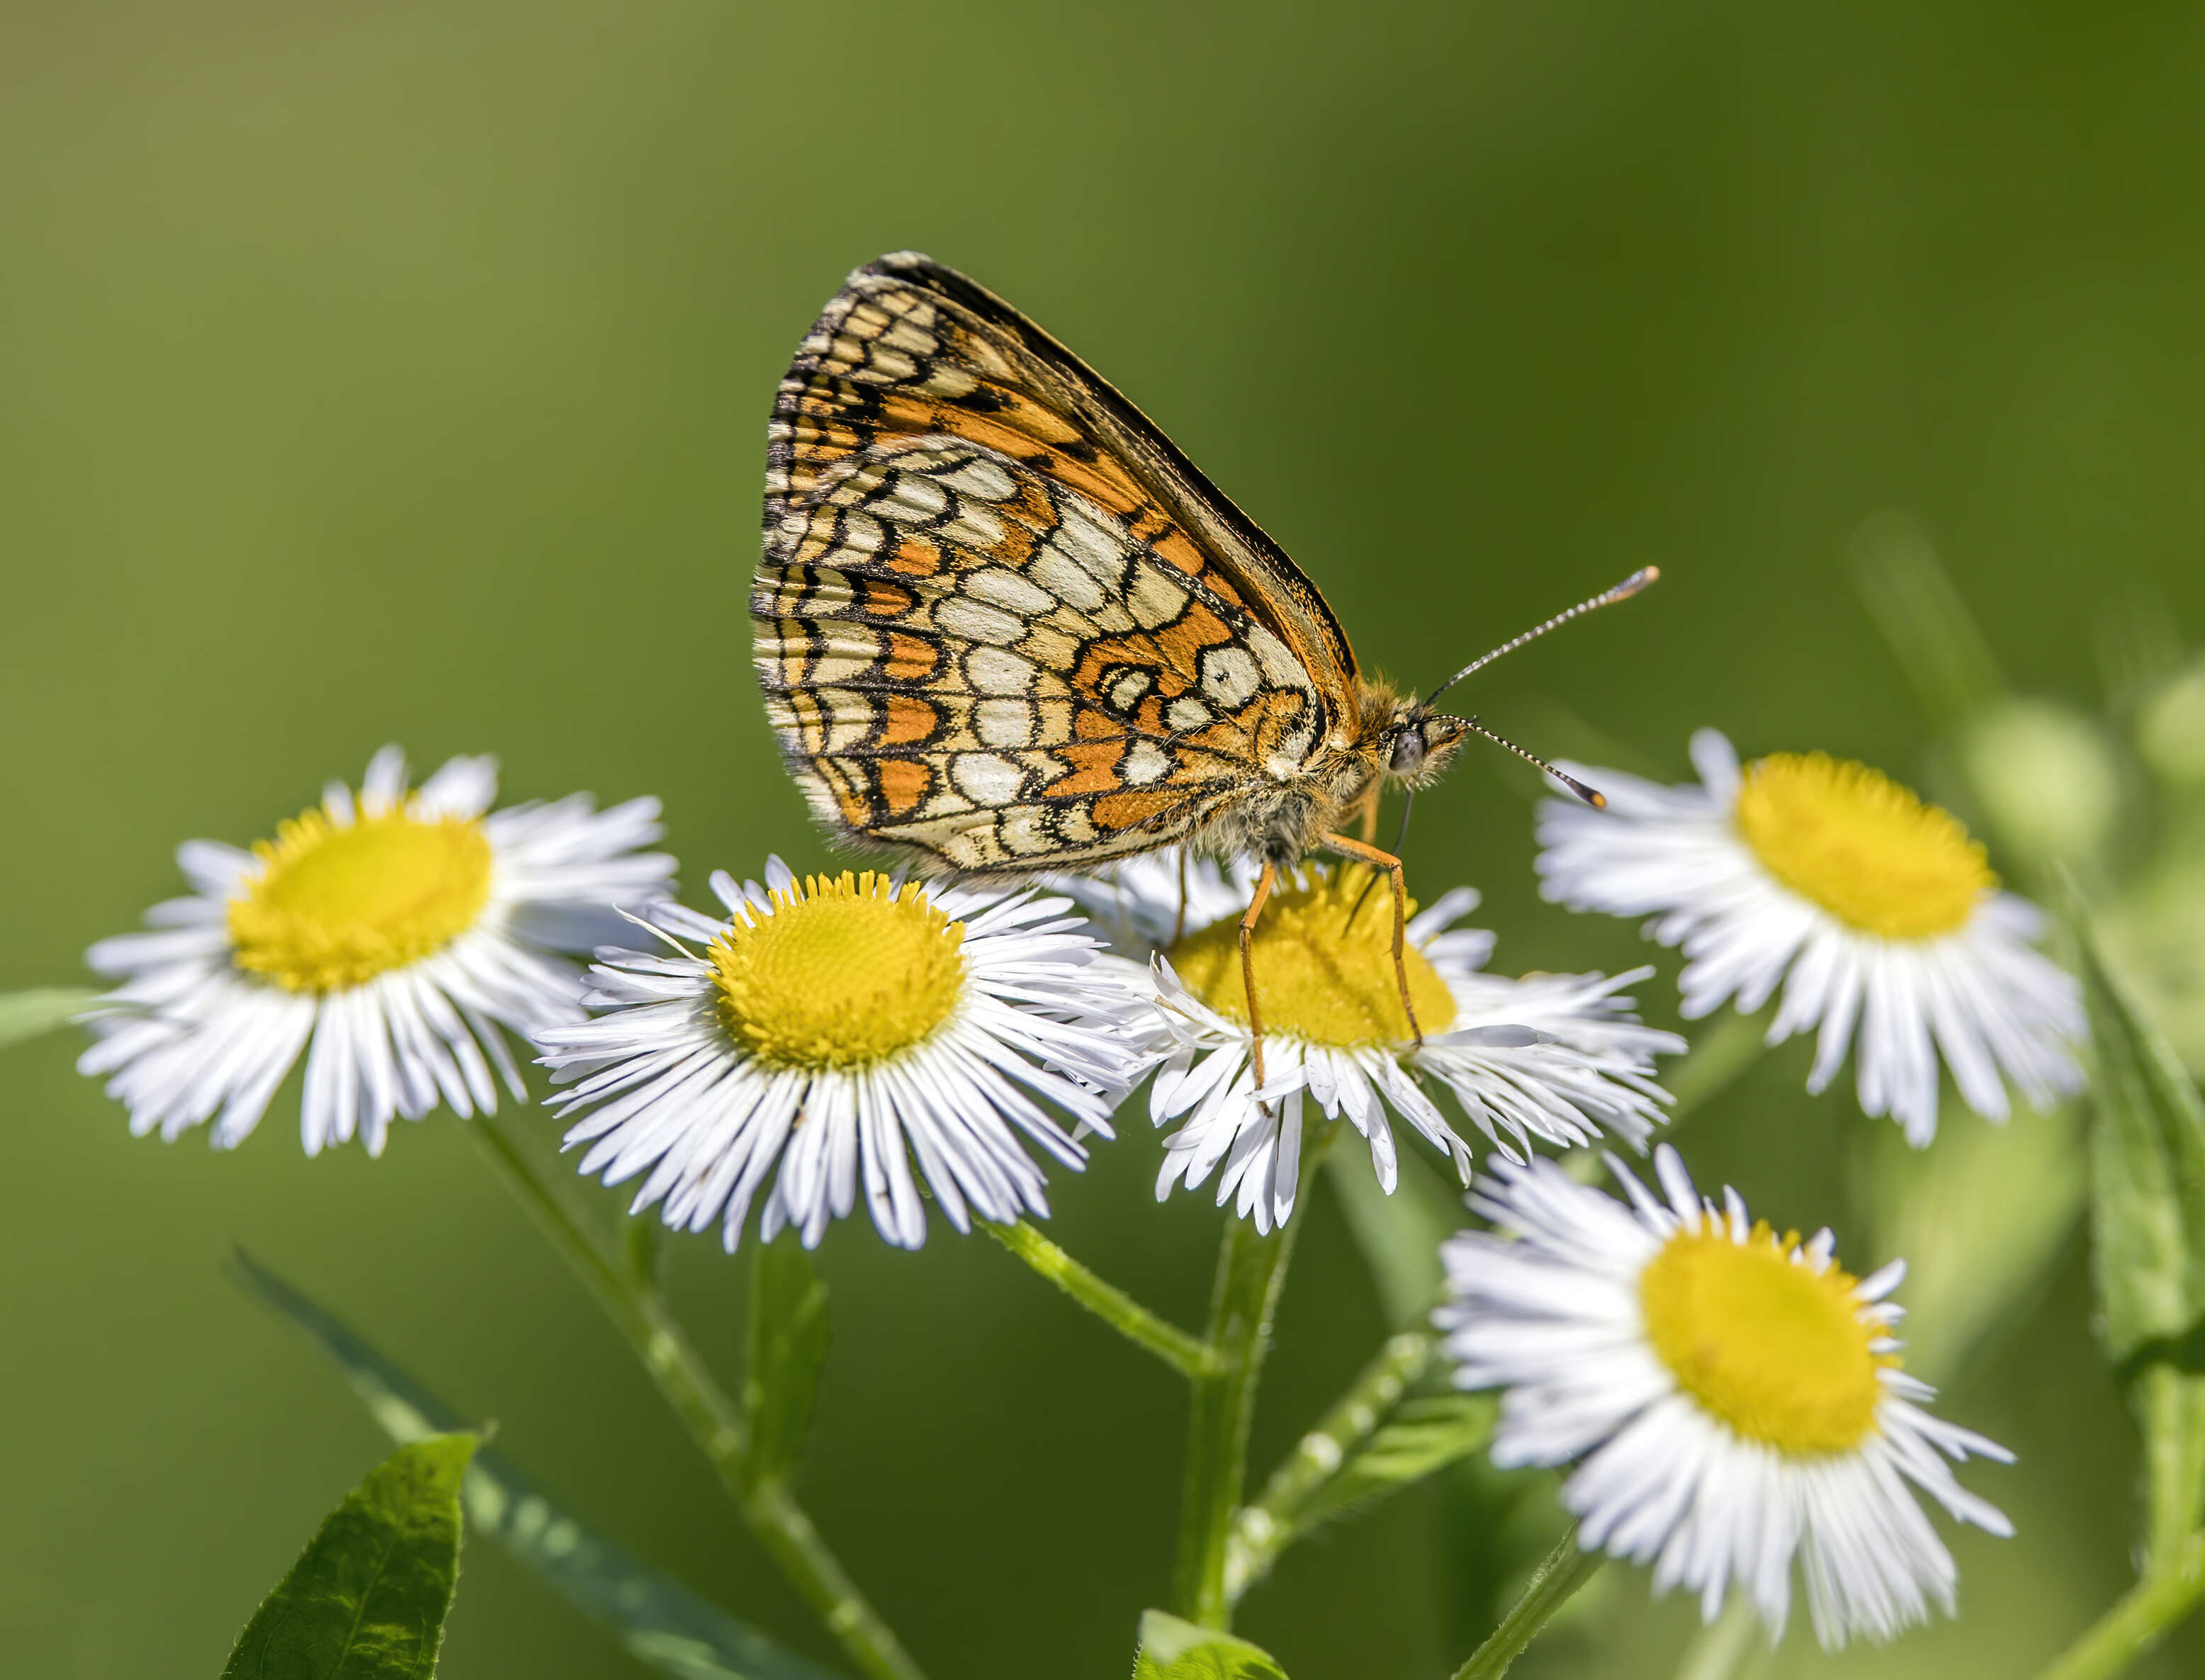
{"x":1774,"y":1349}
{"x":1859,"y":844}
{"x":845,"y":973}
{"x":337,"y":905}
{"x":1318,"y":976}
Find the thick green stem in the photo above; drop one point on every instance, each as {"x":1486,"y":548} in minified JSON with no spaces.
{"x":1188,"y":1355}
{"x":2139,"y":1620}
{"x":1560,"y":1574}
{"x":1263,"y":1530}
{"x":2170,"y":1405}
{"x":1250,"y":1269}
{"x":714,"y":1421}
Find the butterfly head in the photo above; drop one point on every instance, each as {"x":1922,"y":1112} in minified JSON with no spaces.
{"x":1415,"y":746}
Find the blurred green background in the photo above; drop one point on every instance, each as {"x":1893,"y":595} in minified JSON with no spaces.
{"x":400,"y":373}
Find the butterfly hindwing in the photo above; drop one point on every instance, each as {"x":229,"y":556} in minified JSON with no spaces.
{"x":966,"y":658}
{"x":983,"y":627}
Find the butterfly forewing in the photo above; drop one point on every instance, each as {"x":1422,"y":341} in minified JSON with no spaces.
{"x":999,"y":620}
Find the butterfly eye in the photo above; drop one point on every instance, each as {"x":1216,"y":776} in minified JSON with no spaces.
{"x":1408,"y":752}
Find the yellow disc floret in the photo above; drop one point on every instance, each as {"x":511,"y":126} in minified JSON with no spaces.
{"x":337,"y":904}
{"x":1861,"y":846}
{"x":1319,"y":976}
{"x":846,"y":972}
{"x":1770,"y":1345}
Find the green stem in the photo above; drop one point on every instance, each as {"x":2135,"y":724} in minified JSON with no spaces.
{"x":1560,"y":1574}
{"x":1263,"y":1530}
{"x":1250,"y":1269}
{"x":714,"y":1422}
{"x":1724,"y":1647}
{"x":1725,"y":1051}
{"x":2138,"y":1621}
{"x":643,"y":1249}
{"x":2170,"y":1405}
{"x":1188,"y":1355}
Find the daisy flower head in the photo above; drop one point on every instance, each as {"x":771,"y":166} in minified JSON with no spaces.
{"x":390,"y":934}
{"x":838,"y":1027}
{"x":1556,"y":1057}
{"x":1873,"y":910}
{"x":1730,"y":1398}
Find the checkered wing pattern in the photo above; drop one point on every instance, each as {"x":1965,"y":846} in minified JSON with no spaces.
{"x":1001,"y":621}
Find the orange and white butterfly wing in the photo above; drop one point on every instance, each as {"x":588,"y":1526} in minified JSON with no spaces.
{"x":999,"y":620}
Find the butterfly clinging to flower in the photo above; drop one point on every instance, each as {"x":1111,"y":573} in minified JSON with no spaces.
{"x":1004,"y":626}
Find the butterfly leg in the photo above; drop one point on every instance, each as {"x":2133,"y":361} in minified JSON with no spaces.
{"x":1364,"y":852}
{"x":1365,"y":810}
{"x":1178,"y":922}
{"x":1264,"y":883}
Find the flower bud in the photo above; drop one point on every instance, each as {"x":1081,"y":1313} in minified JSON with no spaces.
{"x":2171,"y":727}
{"x":2048,"y":782}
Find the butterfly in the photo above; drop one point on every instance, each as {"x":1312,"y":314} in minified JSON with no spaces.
{"x":1003,"y":625}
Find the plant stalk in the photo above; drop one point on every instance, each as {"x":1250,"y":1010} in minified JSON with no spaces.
{"x":2170,"y":1405}
{"x":1719,"y":1055}
{"x":1251,"y":1267}
{"x":1263,"y":1530}
{"x":1190,"y":1355}
{"x":714,"y":1421}
{"x":1560,"y":1574}
{"x":2138,"y":1620}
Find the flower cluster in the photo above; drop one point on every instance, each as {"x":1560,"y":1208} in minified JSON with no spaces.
{"x":1727,"y":1401}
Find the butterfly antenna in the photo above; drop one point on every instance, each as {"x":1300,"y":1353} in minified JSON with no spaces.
{"x":1623,"y":591}
{"x":1591,"y":796}
{"x":1401,"y":838}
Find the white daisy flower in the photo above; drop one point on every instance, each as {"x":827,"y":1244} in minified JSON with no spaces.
{"x":839,"y":1027}
{"x":394,"y":932}
{"x":1729,"y":1398}
{"x":1556,"y":1056}
{"x":1871,"y":908}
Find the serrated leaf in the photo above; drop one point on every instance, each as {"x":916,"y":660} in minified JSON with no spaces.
{"x":660,"y":1621}
{"x":1421,"y":1437}
{"x":40,"y":1010}
{"x":788,"y":1339}
{"x":1174,"y":1650}
{"x":2148,"y":1159}
{"x":367,"y":1598}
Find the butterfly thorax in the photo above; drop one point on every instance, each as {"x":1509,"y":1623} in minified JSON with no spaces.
{"x":1391,"y":742}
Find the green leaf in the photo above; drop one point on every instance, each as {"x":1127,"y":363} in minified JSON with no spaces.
{"x":788,"y":1337}
{"x":40,"y":1010}
{"x":2147,"y":1217}
{"x":1174,"y":1650}
{"x":1421,"y":1437}
{"x":659,"y":1621}
{"x":367,"y":1598}
{"x":2148,"y":1159}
